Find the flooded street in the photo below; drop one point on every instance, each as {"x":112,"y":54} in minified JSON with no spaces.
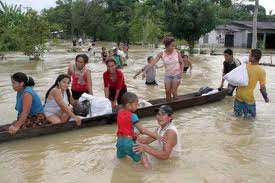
{"x":216,"y":146}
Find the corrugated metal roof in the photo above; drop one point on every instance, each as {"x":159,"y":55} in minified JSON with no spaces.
{"x":260,"y":25}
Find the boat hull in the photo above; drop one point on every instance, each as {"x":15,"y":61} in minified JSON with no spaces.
{"x":185,"y":101}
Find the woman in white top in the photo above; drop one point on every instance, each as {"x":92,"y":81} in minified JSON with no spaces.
{"x":57,"y":101}
{"x":167,"y":130}
{"x":173,"y":65}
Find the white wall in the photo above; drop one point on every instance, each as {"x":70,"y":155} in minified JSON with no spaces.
{"x":238,"y":41}
{"x":214,"y":40}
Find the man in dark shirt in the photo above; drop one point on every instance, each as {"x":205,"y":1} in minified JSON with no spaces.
{"x":229,"y":64}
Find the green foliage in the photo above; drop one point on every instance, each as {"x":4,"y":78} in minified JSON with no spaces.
{"x":243,"y":12}
{"x":19,"y":31}
{"x":60,"y":15}
{"x":137,"y":21}
{"x":8,"y":41}
{"x":151,"y":32}
{"x":190,"y":19}
{"x":34,"y":34}
{"x":10,"y":15}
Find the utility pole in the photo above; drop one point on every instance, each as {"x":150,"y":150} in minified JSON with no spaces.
{"x":254,"y":34}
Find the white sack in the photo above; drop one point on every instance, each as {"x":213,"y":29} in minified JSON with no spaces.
{"x":99,"y":105}
{"x":238,"y":76}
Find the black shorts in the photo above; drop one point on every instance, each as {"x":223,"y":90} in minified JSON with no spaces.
{"x":185,"y":69}
{"x":77,"y":94}
{"x":112,"y":94}
{"x":151,"y":83}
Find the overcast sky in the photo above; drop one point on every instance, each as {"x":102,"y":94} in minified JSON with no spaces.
{"x":41,"y":4}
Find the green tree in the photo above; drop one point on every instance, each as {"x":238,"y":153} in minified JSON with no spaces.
{"x":120,"y":14}
{"x":33,"y":35}
{"x":147,"y":22}
{"x":10,"y":18}
{"x":190,"y":19}
{"x":60,"y":16}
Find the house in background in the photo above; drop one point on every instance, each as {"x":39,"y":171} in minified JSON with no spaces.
{"x":238,"y":34}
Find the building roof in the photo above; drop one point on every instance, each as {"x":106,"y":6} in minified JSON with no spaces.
{"x":232,"y":28}
{"x":260,"y":25}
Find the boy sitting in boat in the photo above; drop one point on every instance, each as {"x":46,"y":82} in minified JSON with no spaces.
{"x":126,"y":137}
{"x":150,"y":73}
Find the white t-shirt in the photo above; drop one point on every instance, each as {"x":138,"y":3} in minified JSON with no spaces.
{"x":162,"y":131}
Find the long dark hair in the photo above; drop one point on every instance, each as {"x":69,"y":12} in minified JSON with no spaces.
{"x":22,"y":77}
{"x":58,"y":79}
{"x":168,"y":40}
{"x":84,"y":56}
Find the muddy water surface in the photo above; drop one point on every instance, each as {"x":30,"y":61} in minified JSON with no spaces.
{"x":216,"y":146}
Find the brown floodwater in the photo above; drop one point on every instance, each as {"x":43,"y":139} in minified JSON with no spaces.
{"x":216,"y":146}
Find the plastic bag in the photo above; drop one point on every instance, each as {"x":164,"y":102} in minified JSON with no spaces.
{"x":143,"y":103}
{"x":238,"y":76}
{"x":99,"y":105}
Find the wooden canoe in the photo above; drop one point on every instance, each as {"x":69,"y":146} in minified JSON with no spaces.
{"x":184,"y":101}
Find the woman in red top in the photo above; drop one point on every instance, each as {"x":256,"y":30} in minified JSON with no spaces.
{"x":114,"y":83}
{"x":81,"y":76}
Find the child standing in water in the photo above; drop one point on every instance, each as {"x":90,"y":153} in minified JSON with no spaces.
{"x":187,"y":63}
{"x":150,"y":73}
{"x":126,"y":137}
{"x":104,"y":55}
{"x":173,"y":65}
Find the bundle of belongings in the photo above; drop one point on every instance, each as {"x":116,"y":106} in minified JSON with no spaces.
{"x":238,"y":76}
{"x":90,"y":106}
{"x":206,"y":91}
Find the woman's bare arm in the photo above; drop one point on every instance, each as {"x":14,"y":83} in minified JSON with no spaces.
{"x":89,"y":83}
{"x":27,"y":103}
{"x":154,"y":62}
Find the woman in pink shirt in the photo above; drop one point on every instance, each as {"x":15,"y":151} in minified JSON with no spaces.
{"x":173,"y":65}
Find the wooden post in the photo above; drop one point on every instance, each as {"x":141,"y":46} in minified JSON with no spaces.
{"x":255,"y":27}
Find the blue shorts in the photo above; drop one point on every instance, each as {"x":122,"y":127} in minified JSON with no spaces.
{"x":243,"y":109}
{"x":172,"y":78}
{"x":124,"y":148}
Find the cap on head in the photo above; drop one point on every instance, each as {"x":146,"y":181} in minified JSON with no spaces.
{"x":165,"y":109}
{"x":114,"y":48}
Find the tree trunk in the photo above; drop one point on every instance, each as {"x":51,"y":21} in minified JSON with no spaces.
{"x":254,"y":34}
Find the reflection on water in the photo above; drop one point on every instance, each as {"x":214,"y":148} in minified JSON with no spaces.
{"x":217,"y":147}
